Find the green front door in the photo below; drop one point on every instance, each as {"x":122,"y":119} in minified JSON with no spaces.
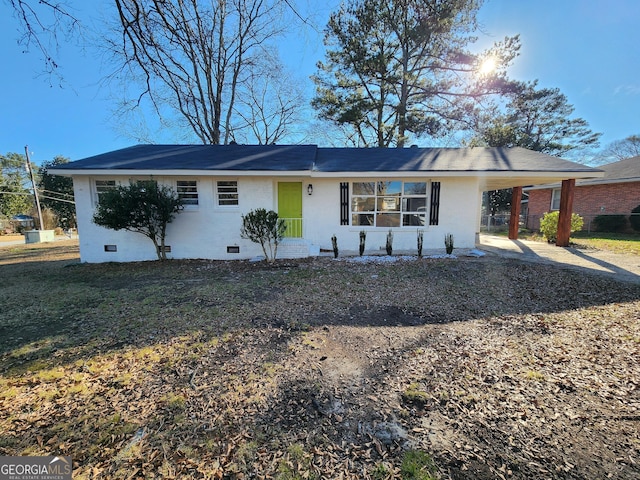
{"x":290,"y":207}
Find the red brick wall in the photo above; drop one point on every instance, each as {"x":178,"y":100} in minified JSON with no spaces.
{"x":539,"y":204}
{"x":588,"y":201}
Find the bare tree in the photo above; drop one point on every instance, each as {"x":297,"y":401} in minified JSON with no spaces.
{"x":41,"y":23}
{"x":620,"y":150}
{"x":269,"y":104}
{"x":191,"y":56}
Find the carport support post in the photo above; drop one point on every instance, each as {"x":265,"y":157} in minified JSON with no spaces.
{"x":566,"y":207}
{"x":514,"y":220}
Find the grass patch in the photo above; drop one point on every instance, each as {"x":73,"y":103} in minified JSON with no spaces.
{"x":623,"y":243}
{"x":535,"y":375}
{"x":415,"y":396}
{"x":417,"y":465}
{"x":613,"y":242}
{"x":175,"y":402}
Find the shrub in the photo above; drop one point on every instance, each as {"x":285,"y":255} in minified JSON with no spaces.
{"x":334,"y":243}
{"x":389,"y":245}
{"x":363,"y":239}
{"x":144,"y":207}
{"x":610,"y":223}
{"x":264,"y":227}
{"x":549,"y":225}
{"x":420,"y":241}
{"x":634,"y":220}
{"x":448,"y":243}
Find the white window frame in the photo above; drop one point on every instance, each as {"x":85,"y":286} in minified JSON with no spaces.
{"x":230,"y":192}
{"x":555,"y":199}
{"x":98,"y":189}
{"x":400,"y":199}
{"x":190,"y":193}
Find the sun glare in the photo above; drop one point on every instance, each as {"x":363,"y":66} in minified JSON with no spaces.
{"x":488,"y":66}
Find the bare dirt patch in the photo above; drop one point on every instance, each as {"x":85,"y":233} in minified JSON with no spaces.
{"x":319,"y":368}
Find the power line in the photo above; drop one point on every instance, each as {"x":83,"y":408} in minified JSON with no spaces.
{"x":58,"y":199}
{"x":16,"y":193}
{"x":57,"y":193}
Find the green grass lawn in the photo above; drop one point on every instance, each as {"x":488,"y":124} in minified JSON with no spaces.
{"x":612,"y":242}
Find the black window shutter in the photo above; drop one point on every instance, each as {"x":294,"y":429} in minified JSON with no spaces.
{"x":434,"y":212}
{"x":344,"y":203}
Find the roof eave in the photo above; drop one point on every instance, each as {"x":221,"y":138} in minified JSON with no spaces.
{"x":603,"y":181}
{"x":179,"y":173}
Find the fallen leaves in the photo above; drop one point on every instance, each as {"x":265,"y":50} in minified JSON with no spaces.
{"x":322,"y":369}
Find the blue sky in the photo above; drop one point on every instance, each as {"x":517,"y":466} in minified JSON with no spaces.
{"x":590,"y":49}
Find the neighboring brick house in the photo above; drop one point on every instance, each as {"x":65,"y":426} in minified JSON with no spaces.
{"x":616,"y":193}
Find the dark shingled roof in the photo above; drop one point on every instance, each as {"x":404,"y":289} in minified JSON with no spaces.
{"x":288,"y":158}
{"x":627,"y":170}
{"x":201,"y":157}
{"x":441,"y":160}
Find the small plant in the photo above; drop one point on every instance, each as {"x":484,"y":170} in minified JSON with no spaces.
{"x":420,"y":241}
{"x":295,"y":465}
{"x":380,"y":472}
{"x":448,"y":243}
{"x":264,"y":227}
{"x":363,"y":240}
{"x":175,"y":402}
{"x":334,"y":243}
{"x":389,"y":245}
{"x":549,"y":225}
{"x":634,"y":219}
{"x":535,"y":375}
{"x":413,"y":395}
{"x":417,"y":465}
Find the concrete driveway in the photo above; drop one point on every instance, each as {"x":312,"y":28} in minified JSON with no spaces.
{"x":624,"y":267}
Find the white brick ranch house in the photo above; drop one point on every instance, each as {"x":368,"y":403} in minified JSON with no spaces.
{"x":319,"y":191}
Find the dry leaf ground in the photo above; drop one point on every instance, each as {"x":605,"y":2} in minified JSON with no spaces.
{"x":318,"y":368}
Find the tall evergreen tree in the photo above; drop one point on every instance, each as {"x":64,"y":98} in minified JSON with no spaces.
{"x":401,"y":68}
{"x":536,"y":119}
{"x":539,"y":119}
{"x":56,"y":192}
{"x":15,"y":197}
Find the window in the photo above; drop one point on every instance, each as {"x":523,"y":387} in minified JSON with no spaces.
{"x":389,"y":204}
{"x":103,"y":186}
{"x":227,"y":192}
{"x":555,"y":199}
{"x":188,"y":191}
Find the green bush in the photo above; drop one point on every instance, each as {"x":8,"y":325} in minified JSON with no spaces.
{"x":634,"y":220}
{"x":264,"y":227}
{"x":143,"y":206}
{"x":610,"y":223}
{"x":549,"y":225}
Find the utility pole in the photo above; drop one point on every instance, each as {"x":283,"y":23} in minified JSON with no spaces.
{"x":33,"y":184}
